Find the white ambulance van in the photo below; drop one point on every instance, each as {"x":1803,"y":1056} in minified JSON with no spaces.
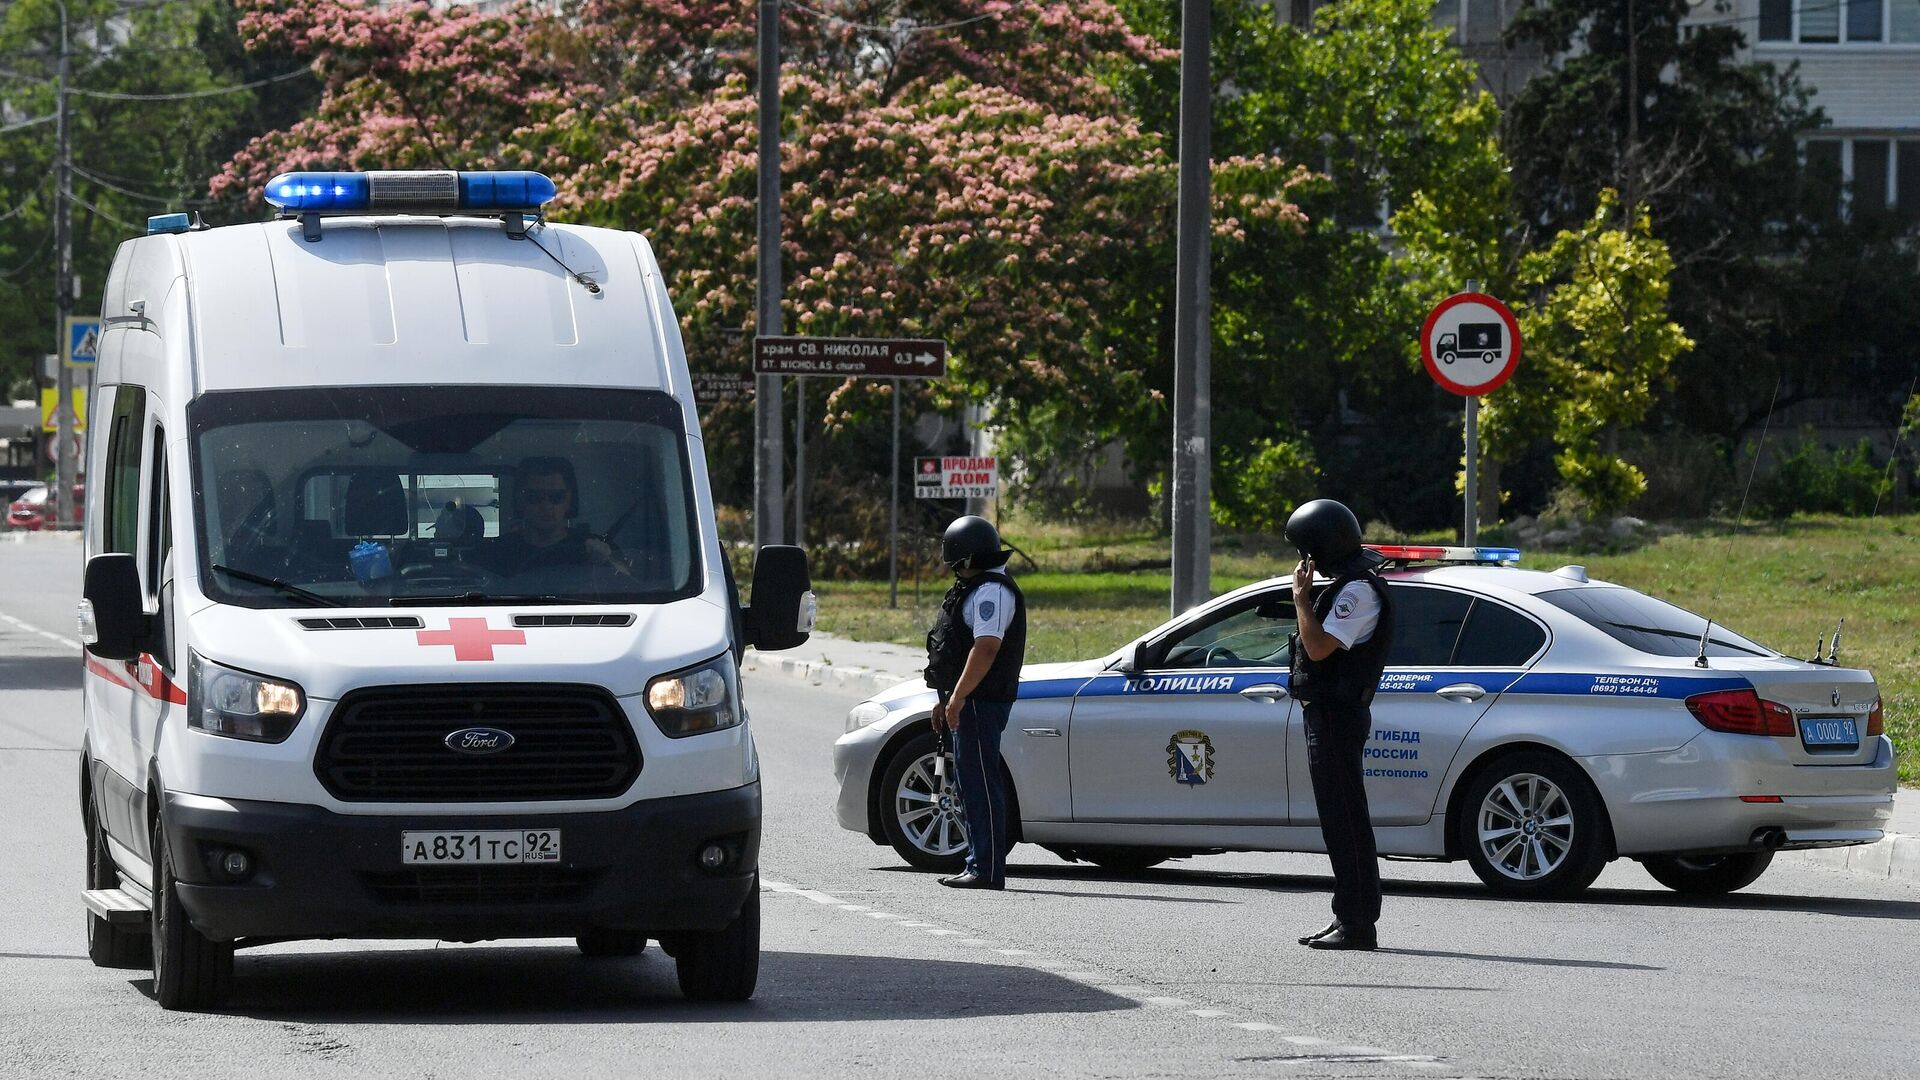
{"x":405,"y":612}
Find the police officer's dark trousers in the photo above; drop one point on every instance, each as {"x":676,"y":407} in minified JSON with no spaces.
{"x":983,"y":794}
{"x":1336,"y":737}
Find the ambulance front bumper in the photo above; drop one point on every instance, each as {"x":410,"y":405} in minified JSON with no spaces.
{"x":317,"y":874}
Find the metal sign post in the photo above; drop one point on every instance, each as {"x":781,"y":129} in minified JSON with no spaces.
{"x":1470,"y":345}
{"x":893,"y":509}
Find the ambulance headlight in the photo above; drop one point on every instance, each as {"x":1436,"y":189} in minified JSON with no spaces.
{"x":239,"y":704}
{"x":866,"y":714}
{"x":699,"y":699}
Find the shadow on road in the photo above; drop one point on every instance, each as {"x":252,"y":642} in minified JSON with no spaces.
{"x":1541,"y":961}
{"x":1845,"y":906}
{"x":40,"y":672}
{"x":554,"y":984}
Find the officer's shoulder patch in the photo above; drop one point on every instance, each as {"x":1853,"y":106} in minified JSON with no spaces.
{"x":1343,"y":608}
{"x":986,"y":609}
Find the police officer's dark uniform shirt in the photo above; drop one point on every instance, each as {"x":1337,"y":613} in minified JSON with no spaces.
{"x":1354,"y":611}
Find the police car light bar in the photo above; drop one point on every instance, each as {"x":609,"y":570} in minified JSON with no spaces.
{"x":1435,"y":553}
{"x":299,"y":193}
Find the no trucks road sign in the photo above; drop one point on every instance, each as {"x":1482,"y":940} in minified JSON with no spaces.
{"x":872,"y":358}
{"x":1470,"y":344}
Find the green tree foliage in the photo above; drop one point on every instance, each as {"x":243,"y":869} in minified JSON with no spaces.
{"x":1315,"y":328}
{"x":153,"y":112}
{"x":1809,"y":478}
{"x":1775,"y":284}
{"x":1273,"y":476}
{"x":1599,"y":343}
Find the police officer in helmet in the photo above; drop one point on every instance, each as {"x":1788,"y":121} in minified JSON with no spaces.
{"x":974,"y":653}
{"x":1344,"y":635}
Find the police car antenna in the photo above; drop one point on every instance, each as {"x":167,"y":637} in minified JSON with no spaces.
{"x":1740,"y":517}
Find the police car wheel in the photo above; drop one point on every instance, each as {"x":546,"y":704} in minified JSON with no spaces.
{"x":721,"y":965}
{"x":108,"y":945}
{"x":1532,"y":825}
{"x":1708,"y":875}
{"x":189,"y":972}
{"x":923,"y":822}
{"x":611,"y":943}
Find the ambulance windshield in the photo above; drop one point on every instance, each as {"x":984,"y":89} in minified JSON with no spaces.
{"x":409,"y":495}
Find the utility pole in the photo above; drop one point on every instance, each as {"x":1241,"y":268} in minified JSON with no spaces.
{"x":64,"y":464}
{"x":1192,"y":318}
{"x":769,"y":481}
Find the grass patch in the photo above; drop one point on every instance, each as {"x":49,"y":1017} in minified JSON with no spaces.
{"x":1782,"y":584}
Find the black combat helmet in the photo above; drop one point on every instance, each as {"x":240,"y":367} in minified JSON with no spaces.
{"x":972,"y":543}
{"x":1329,"y":534}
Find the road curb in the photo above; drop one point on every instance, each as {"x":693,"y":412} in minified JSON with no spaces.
{"x":1896,"y":858}
{"x":824,"y":673}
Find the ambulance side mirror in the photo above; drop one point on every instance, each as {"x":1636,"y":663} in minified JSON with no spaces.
{"x":783,"y":607}
{"x":120,"y":621}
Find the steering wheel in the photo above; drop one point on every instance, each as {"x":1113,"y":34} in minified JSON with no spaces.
{"x":1219,"y":651}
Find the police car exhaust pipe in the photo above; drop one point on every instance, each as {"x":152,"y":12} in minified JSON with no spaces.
{"x":1772,"y":838}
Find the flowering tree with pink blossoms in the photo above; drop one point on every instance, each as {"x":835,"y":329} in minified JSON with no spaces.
{"x":952,"y":168}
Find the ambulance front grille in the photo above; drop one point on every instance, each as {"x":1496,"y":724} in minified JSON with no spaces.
{"x":481,"y":884}
{"x":389,"y":744}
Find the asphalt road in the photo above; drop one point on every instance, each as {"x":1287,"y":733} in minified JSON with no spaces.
{"x":871,"y":969}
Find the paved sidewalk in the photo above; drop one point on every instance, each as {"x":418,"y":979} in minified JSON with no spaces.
{"x":871,"y":667}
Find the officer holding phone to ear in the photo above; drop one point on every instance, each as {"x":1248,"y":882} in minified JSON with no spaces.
{"x":974,"y":654}
{"x":1339,"y":654}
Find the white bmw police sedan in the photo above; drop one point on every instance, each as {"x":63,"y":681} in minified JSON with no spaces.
{"x":1536,"y":724}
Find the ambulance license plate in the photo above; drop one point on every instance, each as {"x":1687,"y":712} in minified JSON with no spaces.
{"x":480,"y":848}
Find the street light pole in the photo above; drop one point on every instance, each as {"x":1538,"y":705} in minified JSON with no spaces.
{"x":1192,"y":316}
{"x":769,"y":481}
{"x":64,"y":463}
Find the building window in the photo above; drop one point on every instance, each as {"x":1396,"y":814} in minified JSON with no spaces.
{"x":1832,"y":22}
{"x":1776,"y":20}
{"x":1877,"y":174}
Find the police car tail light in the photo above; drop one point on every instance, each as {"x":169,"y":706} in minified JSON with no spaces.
{"x":696,"y":700}
{"x":1492,"y":556}
{"x":427,"y":191}
{"x":1877,"y":718}
{"x":1740,"y":712}
{"x":240,"y":704}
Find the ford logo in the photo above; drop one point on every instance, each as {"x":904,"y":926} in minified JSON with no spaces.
{"x":479,"y":740}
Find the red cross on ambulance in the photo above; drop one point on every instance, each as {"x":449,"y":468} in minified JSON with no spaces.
{"x":471,"y":639}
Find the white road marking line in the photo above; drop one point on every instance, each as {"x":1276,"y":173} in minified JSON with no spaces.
{"x":48,"y":634}
{"x":1094,"y":979}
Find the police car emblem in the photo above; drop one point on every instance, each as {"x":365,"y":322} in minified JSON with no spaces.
{"x":1190,"y":757}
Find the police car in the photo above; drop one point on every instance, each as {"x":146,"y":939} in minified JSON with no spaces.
{"x":1535,"y":724}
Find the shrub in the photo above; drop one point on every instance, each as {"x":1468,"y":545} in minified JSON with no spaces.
{"x":1809,"y":478}
{"x":1255,"y":492}
{"x":1688,"y":475}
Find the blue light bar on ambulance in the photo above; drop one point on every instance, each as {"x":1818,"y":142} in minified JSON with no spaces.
{"x":1491,"y":556}
{"x":423,"y":192}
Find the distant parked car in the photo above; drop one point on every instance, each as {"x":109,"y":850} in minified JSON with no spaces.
{"x":30,"y":511}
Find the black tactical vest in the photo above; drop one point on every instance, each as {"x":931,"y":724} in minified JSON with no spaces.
{"x":951,"y":639}
{"x":1350,"y":676}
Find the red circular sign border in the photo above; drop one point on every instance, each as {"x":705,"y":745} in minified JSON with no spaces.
{"x":1426,"y":344}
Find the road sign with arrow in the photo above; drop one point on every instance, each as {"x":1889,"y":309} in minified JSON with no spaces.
{"x":874,"y":358}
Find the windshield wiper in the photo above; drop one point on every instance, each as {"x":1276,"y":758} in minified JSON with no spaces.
{"x":286,"y":588}
{"x":429,"y":599}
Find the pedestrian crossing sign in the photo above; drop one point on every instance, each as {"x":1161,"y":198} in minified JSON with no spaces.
{"x":82,"y":340}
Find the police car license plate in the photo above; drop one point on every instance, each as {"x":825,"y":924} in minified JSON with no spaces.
{"x":1829,"y":733}
{"x":480,"y":848}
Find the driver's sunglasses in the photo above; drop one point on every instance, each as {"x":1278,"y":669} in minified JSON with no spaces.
{"x":551,"y":496}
